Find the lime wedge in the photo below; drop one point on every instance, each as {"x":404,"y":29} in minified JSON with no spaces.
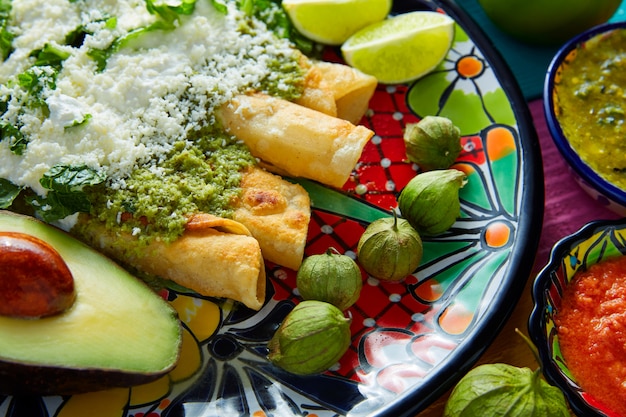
{"x":402,"y":48}
{"x":331,"y":22}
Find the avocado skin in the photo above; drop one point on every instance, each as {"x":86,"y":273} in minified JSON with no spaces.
{"x":28,"y":378}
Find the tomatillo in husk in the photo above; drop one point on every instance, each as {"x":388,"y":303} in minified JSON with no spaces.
{"x":430,"y":201}
{"x":390,"y":249}
{"x":432,"y":143}
{"x":312,"y":338}
{"x":330,"y":277}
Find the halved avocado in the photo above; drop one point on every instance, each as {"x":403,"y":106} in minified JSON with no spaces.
{"x":117,"y":333}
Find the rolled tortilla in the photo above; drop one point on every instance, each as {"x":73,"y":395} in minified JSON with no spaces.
{"x":222,"y":257}
{"x":294,"y":139}
{"x":214,"y":257}
{"x":336,"y":90}
{"x":277,"y":213}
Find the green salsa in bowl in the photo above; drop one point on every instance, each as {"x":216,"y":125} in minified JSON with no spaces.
{"x":585,"y":107}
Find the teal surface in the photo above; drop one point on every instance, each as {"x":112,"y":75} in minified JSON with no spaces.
{"x":528,"y":63}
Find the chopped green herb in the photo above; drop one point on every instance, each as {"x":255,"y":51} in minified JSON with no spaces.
{"x":6,"y":37}
{"x":17,"y":140}
{"x":66,"y":193}
{"x":8,"y":193}
{"x":219,"y":6}
{"x":68,"y":179}
{"x":273,"y":15}
{"x":50,"y":55}
{"x":169,"y":16}
{"x":169,"y":13}
{"x":81,"y":122}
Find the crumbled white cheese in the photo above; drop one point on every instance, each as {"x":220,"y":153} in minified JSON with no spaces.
{"x":65,"y":111}
{"x":152,"y":93}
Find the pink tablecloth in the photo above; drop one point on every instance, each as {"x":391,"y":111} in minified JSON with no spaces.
{"x":567,"y":206}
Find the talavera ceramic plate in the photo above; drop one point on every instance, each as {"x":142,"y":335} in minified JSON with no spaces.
{"x":411,"y":340}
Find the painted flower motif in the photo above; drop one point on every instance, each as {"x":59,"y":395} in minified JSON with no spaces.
{"x":463,"y":88}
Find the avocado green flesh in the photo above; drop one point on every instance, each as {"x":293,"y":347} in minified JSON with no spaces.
{"x":116,"y":323}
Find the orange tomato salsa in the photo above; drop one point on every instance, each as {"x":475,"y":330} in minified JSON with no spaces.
{"x":591,"y":325}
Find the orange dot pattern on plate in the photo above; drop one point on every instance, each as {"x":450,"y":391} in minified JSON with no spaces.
{"x":469,"y":66}
{"x":456,"y":319}
{"x":429,"y":291}
{"x":500,"y":143}
{"x":498,"y":234}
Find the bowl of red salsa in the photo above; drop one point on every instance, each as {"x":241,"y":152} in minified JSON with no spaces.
{"x":585,"y":109}
{"x":578,"y":322}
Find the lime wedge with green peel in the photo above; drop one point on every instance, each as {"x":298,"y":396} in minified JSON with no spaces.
{"x":402,"y":48}
{"x":331,"y":22}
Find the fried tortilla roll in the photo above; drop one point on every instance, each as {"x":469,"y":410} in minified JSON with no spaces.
{"x":294,"y":139}
{"x":277,"y":213}
{"x":214,"y":257}
{"x":338,"y":90}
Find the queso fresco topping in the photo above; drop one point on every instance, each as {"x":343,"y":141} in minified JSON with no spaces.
{"x":100,"y":100}
{"x":592,"y":104}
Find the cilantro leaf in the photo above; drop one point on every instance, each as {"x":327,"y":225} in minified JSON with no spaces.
{"x":219,"y":6}
{"x":169,"y":16}
{"x":56,"y":206}
{"x":50,"y":55}
{"x":17,"y":140}
{"x":76,"y":37}
{"x":274,"y":16}
{"x":8,"y":193}
{"x":65,"y":196}
{"x":169,"y":13}
{"x":80,"y":122}
{"x":70,"y":178}
{"x":6,"y":37}
{"x":34,"y":81}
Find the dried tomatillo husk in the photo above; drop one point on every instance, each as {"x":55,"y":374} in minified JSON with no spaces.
{"x":432,"y":143}
{"x":330,"y":277}
{"x":430,"y":201}
{"x":390,"y":249}
{"x":312,"y":338}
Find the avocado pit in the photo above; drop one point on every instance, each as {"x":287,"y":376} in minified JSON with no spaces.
{"x":35,"y":281}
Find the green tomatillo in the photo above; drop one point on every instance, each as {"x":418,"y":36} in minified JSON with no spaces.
{"x":502,"y":390}
{"x":390,"y":249}
{"x":432,"y":143}
{"x":430,"y":201}
{"x":312,"y":338}
{"x":330,"y":277}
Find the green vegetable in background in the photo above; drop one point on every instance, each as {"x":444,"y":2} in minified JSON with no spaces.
{"x":501,"y":390}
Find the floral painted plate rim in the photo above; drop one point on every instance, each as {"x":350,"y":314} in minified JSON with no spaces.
{"x":411,"y":341}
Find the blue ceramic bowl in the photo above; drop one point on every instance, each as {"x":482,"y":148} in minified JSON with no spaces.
{"x":600,"y":189}
{"x":593,"y":243}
